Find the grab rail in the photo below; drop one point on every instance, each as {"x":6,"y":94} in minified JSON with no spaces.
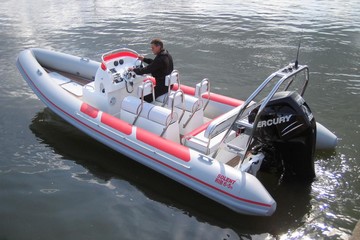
{"x":199,"y":90}
{"x":287,"y":73}
{"x":170,"y":80}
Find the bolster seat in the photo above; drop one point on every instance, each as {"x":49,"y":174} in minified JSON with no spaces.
{"x":156,"y":119}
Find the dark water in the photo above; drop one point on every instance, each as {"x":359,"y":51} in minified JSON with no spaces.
{"x":56,"y":183}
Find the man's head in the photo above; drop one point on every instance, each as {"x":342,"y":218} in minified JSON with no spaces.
{"x":156,"y":46}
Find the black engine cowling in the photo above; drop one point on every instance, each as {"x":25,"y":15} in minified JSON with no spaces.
{"x":286,"y":130}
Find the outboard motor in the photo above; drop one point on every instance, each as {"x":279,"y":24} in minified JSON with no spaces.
{"x":286,"y":131}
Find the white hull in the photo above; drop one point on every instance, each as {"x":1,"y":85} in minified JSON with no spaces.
{"x":237,"y":190}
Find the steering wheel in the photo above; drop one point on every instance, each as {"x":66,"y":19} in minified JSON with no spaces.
{"x":139,"y":63}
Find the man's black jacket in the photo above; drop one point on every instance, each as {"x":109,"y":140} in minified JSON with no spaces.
{"x":158,"y":67}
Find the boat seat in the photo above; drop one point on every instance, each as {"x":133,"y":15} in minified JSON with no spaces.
{"x":170,"y":80}
{"x":131,"y":109}
{"x":193,"y":116}
{"x":206,"y":145}
{"x":207,"y":137}
{"x":155,"y":119}
{"x":188,"y":108}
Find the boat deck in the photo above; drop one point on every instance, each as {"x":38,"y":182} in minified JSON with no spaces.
{"x":70,"y":82}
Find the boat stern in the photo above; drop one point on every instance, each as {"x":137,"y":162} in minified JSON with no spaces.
{"x":248,"y":196}
{"x":257,"y":199}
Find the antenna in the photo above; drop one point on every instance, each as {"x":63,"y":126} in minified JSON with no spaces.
{"x":297,"y":55}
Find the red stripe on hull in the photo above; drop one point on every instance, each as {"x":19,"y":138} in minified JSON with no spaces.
{"x":89,"y":110}
{"x":162,"y":144}
{"x":116,"y":123}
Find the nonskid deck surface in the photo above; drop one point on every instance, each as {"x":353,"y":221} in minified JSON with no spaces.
{"x":70,"y":82}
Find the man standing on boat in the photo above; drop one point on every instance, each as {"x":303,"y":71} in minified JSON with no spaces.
{"x":158,"y":67}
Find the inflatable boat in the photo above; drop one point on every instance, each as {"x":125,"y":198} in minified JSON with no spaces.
{"x":211,"y":143}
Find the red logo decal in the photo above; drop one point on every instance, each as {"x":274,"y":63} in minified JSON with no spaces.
{"x":225,"y":181}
